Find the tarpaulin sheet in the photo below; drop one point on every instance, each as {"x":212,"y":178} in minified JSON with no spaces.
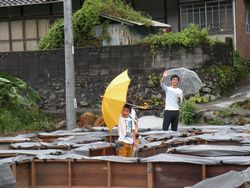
{"x":45,"y":145}
{"x":17,"y":159}
{"x":151,"y":144}
{"x":31,"y":152}
{"x":7,"y":180}
{"x":81,"y":157}
{"x":28,"y":135}
{"x":68,"y":133}
{"x":160,"y":135}
{"x":169,"y":133}
{"x":25,"y":145}
{"x":204,"y":128}
{"x":177,"y":158}
{"x":212,"y":150}
{"x":238,"y":160}
{"x":84,"y":139}
{"x":180,"y":140}
{"x":84,"y":150}
{"x":14,"y":139}
{"x":220,"y":137}
{"x":231,"y":179}
{"x":63,"y":132}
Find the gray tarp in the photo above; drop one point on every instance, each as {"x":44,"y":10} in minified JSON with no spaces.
{"x":68,"y":133}
{"x":238,"y":160}
{"x":7,"y":180}
{"x":230,"y":179}
{"x":180,"y":140}
{"x":151,"y":144}
{"x":84,"y":150}
{"x":17,"y":159}
{"x":222,"y":136}
{"x":176,"y":158}
{"x":14,"y":139}
{"x":212,"y":150}
{"x":43,"y":145}
{"x":160,"y":135}
{"x":81,"y":157}
{"x":25,"y":145}
{"x":30,"y":152}
{"x":84,"y":139}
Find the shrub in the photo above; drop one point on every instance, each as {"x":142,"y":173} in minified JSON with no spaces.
{"x":189,"y":37}
{"x":18,"y":106}
{"x":222,"y":78}
{"x":85,"y":20}
{"x":188,"y":112}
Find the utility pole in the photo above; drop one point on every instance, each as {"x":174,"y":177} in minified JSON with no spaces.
{"x":69,"y":66}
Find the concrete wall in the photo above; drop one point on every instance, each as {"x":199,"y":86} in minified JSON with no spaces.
{"x":96,"y":67}
{"x":242,"y":38}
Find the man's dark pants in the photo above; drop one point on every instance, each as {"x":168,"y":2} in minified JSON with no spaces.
{"x":170,"y":117}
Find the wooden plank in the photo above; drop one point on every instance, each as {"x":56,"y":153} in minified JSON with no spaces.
{"x":52,"y":174}
{"x":33,"y":174}
{"x":109,"y":174}
{"x":215,"y":170}
{"x":176,"y":175}
{"x":69,"y":173}
{"x":92,"y":174}
{"x":150,"y":175}
{"x":23,"y":174}
{"x":82,"y":186}
{"x":129,"y":175}
{"x":13,"y":169}
{"x":204,"y":172}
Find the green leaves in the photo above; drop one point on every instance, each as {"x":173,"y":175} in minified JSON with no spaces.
{"x":188,"y":112}
{"x":189,"y":37}
{"x":18,"y":106}
{"x":85,"y":20}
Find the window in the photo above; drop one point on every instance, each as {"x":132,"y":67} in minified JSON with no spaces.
{"x":19,"y":35}
{"x":214,"y":15}
{"x":248,"y":17}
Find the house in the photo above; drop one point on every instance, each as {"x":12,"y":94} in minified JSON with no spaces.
{"x":24,"y":22}
{"x":124,"y":32}
{"x":223,"y":18}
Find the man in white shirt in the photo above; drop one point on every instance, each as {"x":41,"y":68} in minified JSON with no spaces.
{"x":173,"y":98}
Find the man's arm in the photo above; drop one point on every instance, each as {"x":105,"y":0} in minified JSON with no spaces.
{"x":165,"y":74}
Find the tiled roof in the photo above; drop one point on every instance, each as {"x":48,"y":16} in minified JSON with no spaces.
{"x":9,"y":3}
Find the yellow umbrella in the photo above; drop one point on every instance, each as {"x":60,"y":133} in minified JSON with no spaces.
{"x":114,"y":99}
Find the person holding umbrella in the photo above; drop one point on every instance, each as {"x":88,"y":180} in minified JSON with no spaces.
{"x":173,"y":97}
{"x":126,"y":131}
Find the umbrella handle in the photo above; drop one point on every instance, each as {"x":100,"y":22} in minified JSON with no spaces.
{"x":143,"y":107}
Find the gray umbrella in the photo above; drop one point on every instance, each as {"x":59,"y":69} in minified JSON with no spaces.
{"x":190,"y":82}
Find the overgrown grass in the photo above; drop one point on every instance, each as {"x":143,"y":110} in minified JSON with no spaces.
{"x":189,"y":37}
{"x":119,"y":9}
{"x":85,"y":20}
